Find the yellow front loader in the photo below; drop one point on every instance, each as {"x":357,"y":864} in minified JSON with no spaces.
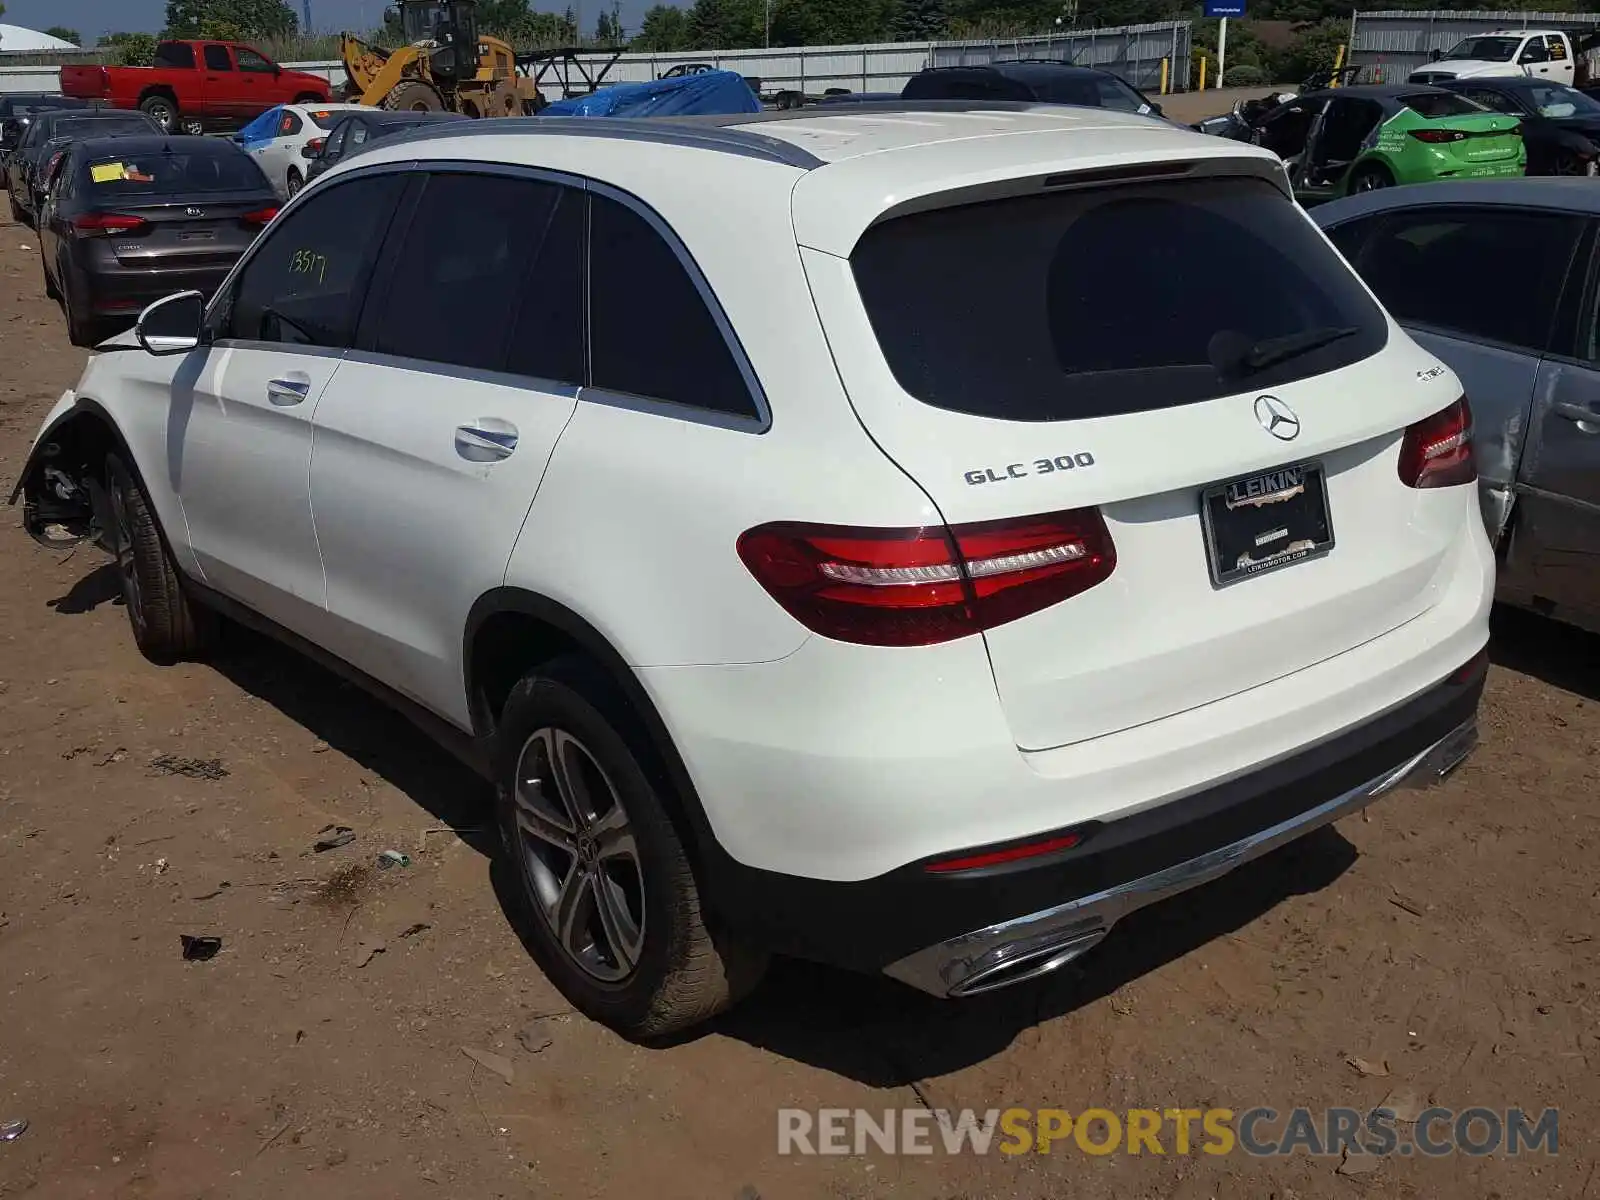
{"x":445,"y":66}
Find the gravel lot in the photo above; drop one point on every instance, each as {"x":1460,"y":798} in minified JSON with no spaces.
{"x":1452,"y":935}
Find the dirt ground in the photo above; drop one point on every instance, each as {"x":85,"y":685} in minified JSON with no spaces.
{"x":1451,"y":934}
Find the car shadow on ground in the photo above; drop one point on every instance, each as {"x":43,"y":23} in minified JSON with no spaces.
{"x":1561,"y":655}
{"x":103,"y":585}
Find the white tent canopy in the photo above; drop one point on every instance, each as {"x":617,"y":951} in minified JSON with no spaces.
{"x":14,"y":38}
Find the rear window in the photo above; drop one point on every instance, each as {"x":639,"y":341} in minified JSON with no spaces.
{"x":325,"y":118}
{"x":1095,"y":303}
{"x":86,"y":127}
{"x":172,"y":172}
{"x":1440,"y":104}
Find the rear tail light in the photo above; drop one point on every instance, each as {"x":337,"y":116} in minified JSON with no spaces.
{"x":261,"y":216}
{"x":1437,"y":450}
{"x":51,"y":165}
{"x":313,"y":148}
{"x":1435,"y":137}
{"x":919,"y":587}
{"x":98,"y":223}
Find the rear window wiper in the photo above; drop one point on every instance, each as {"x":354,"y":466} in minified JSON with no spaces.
{"x":1272,"y":351}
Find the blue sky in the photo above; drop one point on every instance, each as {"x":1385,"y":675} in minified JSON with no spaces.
{"x":94,"y":17}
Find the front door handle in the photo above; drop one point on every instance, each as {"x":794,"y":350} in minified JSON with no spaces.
{"x":1578,"y":413}
{"x":486,"y":441}
{"x":285,"y":393}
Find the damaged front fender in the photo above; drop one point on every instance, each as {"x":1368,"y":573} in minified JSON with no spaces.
{"x":61,"y":483}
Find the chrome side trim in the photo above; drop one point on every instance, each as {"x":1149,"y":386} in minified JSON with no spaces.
{"x":1029,"y":946}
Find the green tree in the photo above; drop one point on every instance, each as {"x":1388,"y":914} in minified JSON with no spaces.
{"x":1314,"y":48}
{"x":132,"y":49}
{"x":918,"y":21}
{"x":726,"y":24}
{"x":60,"y":31}
{"x":608,"y":29}
{"x":230,"y":19}
{"x":664,"y":29}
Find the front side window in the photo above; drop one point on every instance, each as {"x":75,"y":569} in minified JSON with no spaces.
{"x":651,"y":331}
{"x":1534,"y":52}
{"x":249,"y":60}
{"x":1430,"y":266}
{"x":335,"y":145}
{"x":466,"y":279}
{"x":217,"y":59}
{"x":1096,"y":303}
{"x":305,"y":283}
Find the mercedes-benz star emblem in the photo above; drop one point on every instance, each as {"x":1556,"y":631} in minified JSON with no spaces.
{"x":1277,"y":418}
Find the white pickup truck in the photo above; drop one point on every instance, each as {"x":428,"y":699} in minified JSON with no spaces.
{"x":1543,"y":53}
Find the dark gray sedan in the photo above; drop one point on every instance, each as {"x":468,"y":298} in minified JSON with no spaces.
{"x":128,"y":221}
{"x":52,"y":130}
{"x":1499,"y":279}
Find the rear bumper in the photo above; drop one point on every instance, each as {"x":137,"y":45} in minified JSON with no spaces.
{"x":960,"y":933}
{"x":128,"y":291}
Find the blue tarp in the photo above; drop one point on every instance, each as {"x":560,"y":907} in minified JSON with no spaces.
{"x":260,"y":131}
{"x":711,"y":92}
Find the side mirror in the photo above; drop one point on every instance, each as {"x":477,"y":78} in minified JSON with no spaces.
{"x":172,"y":325}
{"x":1435,"y":55}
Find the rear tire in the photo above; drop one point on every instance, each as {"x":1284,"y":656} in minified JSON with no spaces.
{"x":163,"y":110}
{"x":1370,"y":179}
{"x":83,"y":330}
{"x":660,"y":970}
{"x":296,"y":184}
{"x":413,"y":97}
{"x":167,"y":626}
{"x":1568,"y":163}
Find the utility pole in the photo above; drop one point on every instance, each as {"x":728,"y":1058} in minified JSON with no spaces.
{"x":307,"y":25}
{"x":769,"y":24}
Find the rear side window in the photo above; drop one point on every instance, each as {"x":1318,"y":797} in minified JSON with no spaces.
{"x":651,"y":332}
{"x":175,"y":54}
{"x":464,"y":279}
{"x":936,"y":85}
{"x":1440,"y":104}
{"x":1437,"y":267}
{"x":157,"y":173}
{"x":1094,"y":303}
{"x":289,"y":124}
{"x":217,"y":59}
{"x":305,"y":284}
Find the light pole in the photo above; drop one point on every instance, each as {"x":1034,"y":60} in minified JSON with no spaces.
{"x":769,"y":24}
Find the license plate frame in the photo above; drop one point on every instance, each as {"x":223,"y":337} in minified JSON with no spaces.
{"x":1304,"y":521}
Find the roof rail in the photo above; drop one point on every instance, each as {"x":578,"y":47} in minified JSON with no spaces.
{"x":868,"y":108}
{"x":674,"y":131}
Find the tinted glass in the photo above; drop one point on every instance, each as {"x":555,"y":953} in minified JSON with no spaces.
{"x":289,"y":124}
{"x":217,"y":59}
{"x":1498,"y":101}
{"x":174,"y":54}
{"x":1440,"y":104}
{"x":1089,"y":304}
{"x":168,"y":172}
{"x":87,"y":127}
{"x":249,"y":60}
{"x":650,"y":331}
{"x":1534,"y":52}
{"x":1436,"y":267}
{"x":325,"y":118}
{"x":1485,"y":49}
{"x":940,"y":85}
{"x":1559,"y":100}
{"x":547,"y":342}
{"x":464,"y":278}
{"x":305,"y":284}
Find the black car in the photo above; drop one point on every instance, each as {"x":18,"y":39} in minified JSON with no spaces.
{"x":16,"y":114}
{"x":1560,"y":124}
{"x":52,"y":130}
{"x":1029,"y":80}
{"x":360,"y":129}
{"x":129,"y":220}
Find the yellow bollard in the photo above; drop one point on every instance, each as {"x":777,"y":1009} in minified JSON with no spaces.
{"x":1338,"y":62}
{"x":1164,"y":65}
{"x":1202,"y":86}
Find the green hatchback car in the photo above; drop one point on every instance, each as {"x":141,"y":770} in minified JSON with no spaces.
{"x":1354,"y":139}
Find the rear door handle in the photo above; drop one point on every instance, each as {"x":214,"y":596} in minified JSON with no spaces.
{"x":486,"y":441}
{"x":288,"y":392}
{"x":1578,"y":413}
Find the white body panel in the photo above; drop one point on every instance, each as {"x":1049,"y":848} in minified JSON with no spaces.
{"x":283,"y":154}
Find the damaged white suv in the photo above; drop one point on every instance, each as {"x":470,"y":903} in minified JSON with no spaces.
{"x":910,"y":538}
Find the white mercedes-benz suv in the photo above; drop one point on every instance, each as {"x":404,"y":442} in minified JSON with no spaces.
{"x":910,"y":538}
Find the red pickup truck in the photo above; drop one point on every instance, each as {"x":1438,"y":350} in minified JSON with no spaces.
{"x":195,"y":86}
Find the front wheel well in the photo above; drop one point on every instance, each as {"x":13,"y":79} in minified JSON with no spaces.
{"x":65,"y":476}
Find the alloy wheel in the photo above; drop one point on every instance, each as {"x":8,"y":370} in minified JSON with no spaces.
{"x":579,"y":855}
{"x":127,"y":566}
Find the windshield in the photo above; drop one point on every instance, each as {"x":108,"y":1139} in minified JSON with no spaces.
{"x":1441,"y":104}
{"x":1094,"y":91}
{"x":169,"y":172}
{"x":1485,"y":49}
{"x":1559,"y":100}
{"x":1065,"y":306}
